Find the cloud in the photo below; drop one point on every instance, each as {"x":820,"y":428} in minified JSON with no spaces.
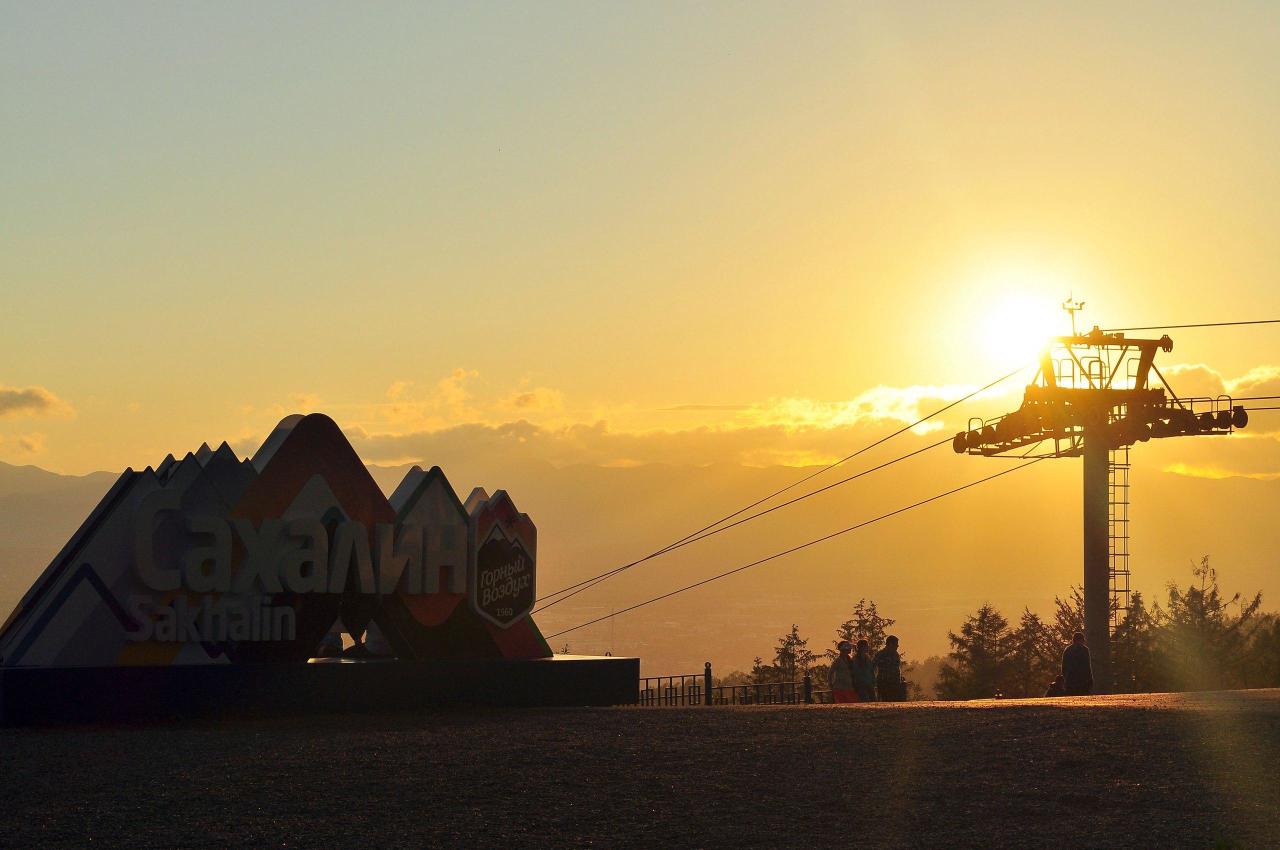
{"x":451,"y":422}
{"x":448,"y":402}
{"x":538,"y":399}
{"x":879,"y":404}
{"x":1194,"y":379}
{"x":532,"y":424}
{"x":597,"y":444}
{"x":1216,"y":472}
{"x":1260,"y":380}
{"x":1250,"y":453}
{"x":30,"y":443}
{"x":31,"y":401}
{"x":305,"y":402}
{"x":454,"y":420}
{"x":23,"y":444}
{"x":1197,"y":379}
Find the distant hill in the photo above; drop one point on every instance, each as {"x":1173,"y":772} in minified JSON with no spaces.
{"x":1013,"y":542}
{"x":39,"y":510}
{"x":28,"y":480}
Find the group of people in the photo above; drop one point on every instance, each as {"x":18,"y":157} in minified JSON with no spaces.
{"x":858,"y":676}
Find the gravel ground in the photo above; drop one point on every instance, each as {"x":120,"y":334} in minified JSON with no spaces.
{"x":1142,"y":771}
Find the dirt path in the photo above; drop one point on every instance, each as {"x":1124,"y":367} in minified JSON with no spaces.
{"x":1149,"y":771}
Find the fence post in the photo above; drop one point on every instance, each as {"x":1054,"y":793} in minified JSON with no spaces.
{"x":808,"y":688}
{"x":706,"y":684}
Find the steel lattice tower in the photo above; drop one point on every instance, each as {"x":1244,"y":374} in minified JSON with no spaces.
{"x":1093,"y":398}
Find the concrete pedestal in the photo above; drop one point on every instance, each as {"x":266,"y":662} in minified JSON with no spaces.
{"x":75,"y":694}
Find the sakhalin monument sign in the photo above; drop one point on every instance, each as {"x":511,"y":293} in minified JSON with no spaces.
{"x":215,"y":561}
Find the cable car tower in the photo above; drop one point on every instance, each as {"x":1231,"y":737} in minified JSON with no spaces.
{"x":1093,"y":398}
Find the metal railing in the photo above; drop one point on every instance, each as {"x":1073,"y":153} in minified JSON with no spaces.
{"x":689,"y":689}
{"x":769,"y":693}
{"x":697,"y":689}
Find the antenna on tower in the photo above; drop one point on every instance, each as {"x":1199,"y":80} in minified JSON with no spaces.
{"x":1072,"y":306}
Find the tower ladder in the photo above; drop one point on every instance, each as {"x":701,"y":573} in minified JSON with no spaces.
{"x":1118,"y":531}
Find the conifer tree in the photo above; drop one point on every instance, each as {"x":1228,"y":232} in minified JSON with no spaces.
{"x":1263,"y":669}
{"x":1033,"y":657}
{"x":792,"y":657}
{"x":1134,"y":667}
{"x":1203,"y":643}
{"x":1068,"y":616}
{"x":977,"y":666}
{"x":762,"y":673}
{"x":865,"y":624}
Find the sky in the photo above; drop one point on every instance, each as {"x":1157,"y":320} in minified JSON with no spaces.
{"x":605,"y":233}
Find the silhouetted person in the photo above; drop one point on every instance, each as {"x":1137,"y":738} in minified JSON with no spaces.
{"x":840,"y":677}
{"x":889,"y":672}
{"x":1077,"y":672}
{"x":1056,"y":688}
{"x":864,"y":675}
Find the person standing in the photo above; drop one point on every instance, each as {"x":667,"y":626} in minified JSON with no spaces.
{"x":1077,"y":671}
{"x":864,"y":676}
{"x":840,"y":677}
{"x":889,"y":672}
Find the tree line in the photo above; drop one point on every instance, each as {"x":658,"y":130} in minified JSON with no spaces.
{"x":792,"y":658}
{"x":1199,"y":639}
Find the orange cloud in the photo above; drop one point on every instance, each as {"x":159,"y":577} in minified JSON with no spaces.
{"x":31,"y":401}
{"x":449,"y":402}
{"x":1260,"y":380}
{"x":538,"y":399}
{"x":305,"y":402}
{"x":879,"y":404}
{"x":597,"y":444}
{"x":1197,"y":379}
{"x":23,"y":444}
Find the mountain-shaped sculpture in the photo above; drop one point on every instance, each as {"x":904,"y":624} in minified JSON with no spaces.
{"x":214,"y":560}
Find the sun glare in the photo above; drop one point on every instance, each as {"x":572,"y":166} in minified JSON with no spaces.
{"x":1016,"y":326}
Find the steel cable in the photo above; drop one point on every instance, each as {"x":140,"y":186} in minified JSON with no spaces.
{"x":794,"y":549}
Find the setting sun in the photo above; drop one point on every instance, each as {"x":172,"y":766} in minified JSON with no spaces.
{"x":1018,"y":326}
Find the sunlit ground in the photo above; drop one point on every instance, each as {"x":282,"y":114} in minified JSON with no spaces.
{"x":1125,"y":771}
